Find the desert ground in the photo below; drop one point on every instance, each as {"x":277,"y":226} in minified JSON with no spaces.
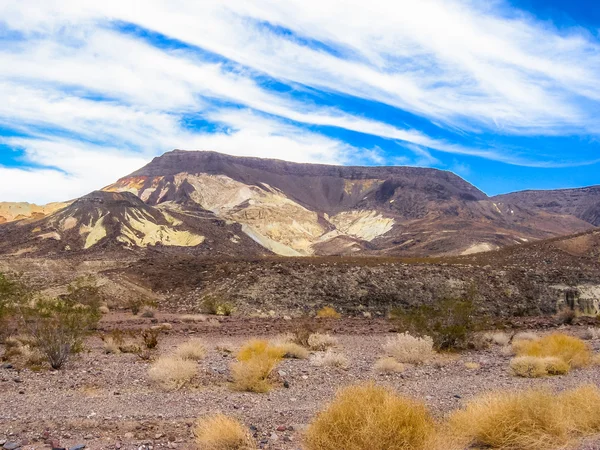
{"x":108,"y":401}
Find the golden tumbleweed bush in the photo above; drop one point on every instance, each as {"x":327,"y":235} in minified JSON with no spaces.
{"x":535,"y":366}
{"x":573,"y":351}
{"x":256,"y":361}
{"x":172,"y":373}
{"x":368,"y":417}
{"x":328,"y":312}
{"x":219,"y":432}
{"x":532,"y":420}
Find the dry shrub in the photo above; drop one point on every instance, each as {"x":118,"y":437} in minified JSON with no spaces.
{"x":370,"y":417}
{"x":497,"y":338}
{"x":388,"y":365}
{"x":258,"y":347}
{"x":591,"y":333}
{"x":150,"y":338}
{"x":472,"y":365}
{"x":582,"y":406}
{"x":172,"y":373}
{"x":320,"y":341}
{"x":293,"y":350}
{"x":531,"y":420}
{"x":256,"y":361}
{"x":328,"y":312}
{"x":330,"y":359}
{"x":536,"y":367}
{"x":111,"y":345}
{"x":219,"y":432}
{"x":409,"y":349}
{"x":525,"y":336}
{"x":104,"y":309}
{"x":572,"y":350}
{"x":193,"y":350}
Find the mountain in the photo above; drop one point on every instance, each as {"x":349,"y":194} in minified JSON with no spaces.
{"x":112,"y":221}
{"x":10,"y":211}
{"x":583,"y":203}
{"x":303,"y":209}
{"x":214,"y":204}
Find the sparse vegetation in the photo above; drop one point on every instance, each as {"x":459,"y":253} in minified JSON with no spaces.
{"x":255,"y":362}
{"x":320,"y":341}
{"x":330,"y":358}
{"x":59,"y":326}
{"x":193,"y":350}
{"x":591,"y":333}
{"x":219,"y":432}
{"x":388,"y":365}
{"x":215,"y":305}
{"x":450,"y":322}
{"x":573,"y":351}
{"x":172,"y":373}
{"x":471,"y":365}
{"x":497,"y":338}
{"x":409,"y":349}
{"x":371,"y":417}
{"x":328,"y":312}
{"x":535,"y":367}
{"x":150,"y":337}
{"x":530,"y":420}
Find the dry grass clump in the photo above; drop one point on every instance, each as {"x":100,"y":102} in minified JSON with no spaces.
{"x":256,"y":361}
{"x":293,"y":350}
{"x":193,"y":350}
{"x":320,"y":341}
{"x":219,"y":432}
{"x":572,"y":350}
{"x":471,"y":365}
{"x":388,"y":365}
{"x":290,"y":349}
{"x":531,"y":420}
{"x":104,"y":309}
{"x":409,"y":349}
{"x":172,"y":373}
{"x":497,"y":338}
{"x":328,"y":312}
{"x":111,"y":345}
{"x":535,"y":366}
{"x":330,"y":359}
{"x":370,"y":417}
{"x":591,"y":333}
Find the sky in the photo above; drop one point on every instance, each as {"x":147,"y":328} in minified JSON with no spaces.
{"x":505,"y":94}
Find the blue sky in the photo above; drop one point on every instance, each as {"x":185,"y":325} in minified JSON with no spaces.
{"x":504,"y":93}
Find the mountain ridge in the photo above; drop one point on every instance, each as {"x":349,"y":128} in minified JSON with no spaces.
{"x":252,"y":206}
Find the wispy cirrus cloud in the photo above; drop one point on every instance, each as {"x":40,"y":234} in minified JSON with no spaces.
{"x":300,"y":80}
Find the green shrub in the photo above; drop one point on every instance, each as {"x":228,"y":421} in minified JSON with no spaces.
{"x":58,"y":327}
{"x":449,"y":322}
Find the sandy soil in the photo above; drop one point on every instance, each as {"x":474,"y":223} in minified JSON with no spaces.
{"x":107,"y":401}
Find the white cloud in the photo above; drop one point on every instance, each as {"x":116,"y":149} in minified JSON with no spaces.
{"x":89,"y":96}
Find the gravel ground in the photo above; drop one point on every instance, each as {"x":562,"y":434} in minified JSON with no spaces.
{"x":107,"y":401}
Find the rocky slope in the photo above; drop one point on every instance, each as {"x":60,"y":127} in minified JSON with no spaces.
{"x":311,"y":209}
{"x":11,"y":211}
{"x":113,"y":221}
{"x":583,"y":203}
{"x":210,"y":203}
